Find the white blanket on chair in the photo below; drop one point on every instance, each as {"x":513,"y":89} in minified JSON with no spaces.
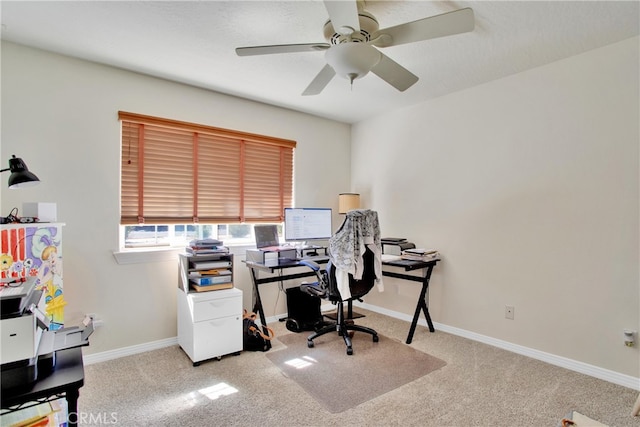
{"x":359,"y":231}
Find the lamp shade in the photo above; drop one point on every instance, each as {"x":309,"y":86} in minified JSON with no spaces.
{"x":20,"y":176}
{"x":352,"y":60}
{"x":347,"y":202}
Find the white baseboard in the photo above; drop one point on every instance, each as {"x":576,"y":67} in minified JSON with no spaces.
{"x":128,"y":351}
{"x":563,"y":362}
{"x":573,"y":365}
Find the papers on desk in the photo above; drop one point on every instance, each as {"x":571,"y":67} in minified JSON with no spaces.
{"x":389,"y":257}
{"x":201,"y":265}
{"x":413,"y":255}
{"x":419,"y":254}
{"x":206,"y":246}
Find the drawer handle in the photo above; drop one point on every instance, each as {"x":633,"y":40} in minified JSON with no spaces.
{"x":218,"y":322}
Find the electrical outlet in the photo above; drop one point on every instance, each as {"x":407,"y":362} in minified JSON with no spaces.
{"x":509,"y":312}
{"x":96,"y":322}
{"x":629,"y":337}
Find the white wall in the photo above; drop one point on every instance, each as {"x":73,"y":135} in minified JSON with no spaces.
{"x":529,"y":186}
{"x":61,"y":116}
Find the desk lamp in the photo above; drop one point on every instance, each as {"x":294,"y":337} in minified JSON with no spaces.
{"x":20,"y":175}
{"x":347,"y":202}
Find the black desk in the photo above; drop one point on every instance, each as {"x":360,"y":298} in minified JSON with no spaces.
{"x":409,"y":265}
{"x":255,"y":269}
{"x":65,"y":379}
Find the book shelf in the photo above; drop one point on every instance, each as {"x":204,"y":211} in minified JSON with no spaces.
{"x":201,"y":273}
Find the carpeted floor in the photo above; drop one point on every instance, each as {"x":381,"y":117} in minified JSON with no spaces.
{"x":480,"y":385}
{"x":374,"y":369}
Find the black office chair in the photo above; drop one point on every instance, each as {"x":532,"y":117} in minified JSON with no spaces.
{"x":326,"y":287}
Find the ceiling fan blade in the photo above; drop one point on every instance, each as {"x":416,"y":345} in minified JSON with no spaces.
{"x":320,"y":81}
{"x":282,"y":48}
{"x":343,"y":16}
{"x":446,"y":24}
{"x":394,"y":74}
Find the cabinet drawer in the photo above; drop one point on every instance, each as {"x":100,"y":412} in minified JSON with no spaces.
{"x":215,"y":308}
{"x":217,"y":337}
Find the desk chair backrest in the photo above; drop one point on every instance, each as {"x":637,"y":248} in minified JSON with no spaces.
{"x":359,"y":233}
{"x":358,"y":287}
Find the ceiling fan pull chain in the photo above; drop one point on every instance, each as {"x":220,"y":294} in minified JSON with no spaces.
{"x":352,"y":77}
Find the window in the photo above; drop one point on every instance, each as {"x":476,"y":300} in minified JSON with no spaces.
{"x":177,"y":178}
{"x":179,"y":235}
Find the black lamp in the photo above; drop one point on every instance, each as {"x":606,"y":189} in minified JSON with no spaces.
{"x":20,"y":175}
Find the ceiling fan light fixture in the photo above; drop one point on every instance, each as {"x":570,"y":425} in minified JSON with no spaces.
{"x":352,"y":60}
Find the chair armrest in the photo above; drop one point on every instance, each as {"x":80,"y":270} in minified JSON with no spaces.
{"x":309,"y":263}
{"x":314,"y":289}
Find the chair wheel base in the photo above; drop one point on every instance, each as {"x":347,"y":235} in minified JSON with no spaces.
{"x":309,"y":343}
{"x":376,"y":338}
{"x":349,"y":351}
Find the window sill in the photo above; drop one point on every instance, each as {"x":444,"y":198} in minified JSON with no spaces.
{"x":146,"y":255}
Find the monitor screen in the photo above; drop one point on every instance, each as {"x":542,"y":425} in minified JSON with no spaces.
{"x":302,"y":224}
{"x":266,"y":235}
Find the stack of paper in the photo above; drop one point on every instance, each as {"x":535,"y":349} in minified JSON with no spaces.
{"x":419,"y":254}
{"x":206,"y":246}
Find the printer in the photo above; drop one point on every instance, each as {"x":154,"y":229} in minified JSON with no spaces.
{"x":272,"y":256}
{"x":21,"y":327}
{"x":27,"y":347}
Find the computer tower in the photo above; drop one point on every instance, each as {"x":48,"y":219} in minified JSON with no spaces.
{"x":303,"y":311}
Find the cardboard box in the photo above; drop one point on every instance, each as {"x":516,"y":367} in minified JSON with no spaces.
{"x":45,"y":212}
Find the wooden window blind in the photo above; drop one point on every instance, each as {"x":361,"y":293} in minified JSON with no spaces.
{"x":175,"y":172}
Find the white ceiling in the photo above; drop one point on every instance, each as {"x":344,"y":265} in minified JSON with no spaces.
{"x":193,"y":43}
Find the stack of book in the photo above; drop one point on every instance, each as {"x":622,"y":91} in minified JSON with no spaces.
{"x":395,"y":245}
{"x":211,"y":280}
{"x":417,"y":254}
{"x":206,"y":246}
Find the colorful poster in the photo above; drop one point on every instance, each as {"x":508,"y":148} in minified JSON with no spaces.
{"x":36,"y":250}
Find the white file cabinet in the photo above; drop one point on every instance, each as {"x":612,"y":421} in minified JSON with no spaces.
{"x":210,"y":323}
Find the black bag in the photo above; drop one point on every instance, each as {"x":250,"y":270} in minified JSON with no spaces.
{"x":253,"y":339}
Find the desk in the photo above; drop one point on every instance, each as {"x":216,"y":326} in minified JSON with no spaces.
{"x":255,"y":269}
{"x":409,"y":265}
{"x":65,"y":379}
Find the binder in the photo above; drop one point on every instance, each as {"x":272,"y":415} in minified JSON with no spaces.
{"x":210,"y":280}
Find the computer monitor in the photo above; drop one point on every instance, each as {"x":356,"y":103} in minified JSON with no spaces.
{"x":302,"y":224}
{"x":266,"y":235}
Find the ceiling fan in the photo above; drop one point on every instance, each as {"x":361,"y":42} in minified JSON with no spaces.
{"x":353,"y":34}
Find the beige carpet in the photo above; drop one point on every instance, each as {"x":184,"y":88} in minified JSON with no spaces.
{"x":338,"y":381}
{"x":481,"y":385}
